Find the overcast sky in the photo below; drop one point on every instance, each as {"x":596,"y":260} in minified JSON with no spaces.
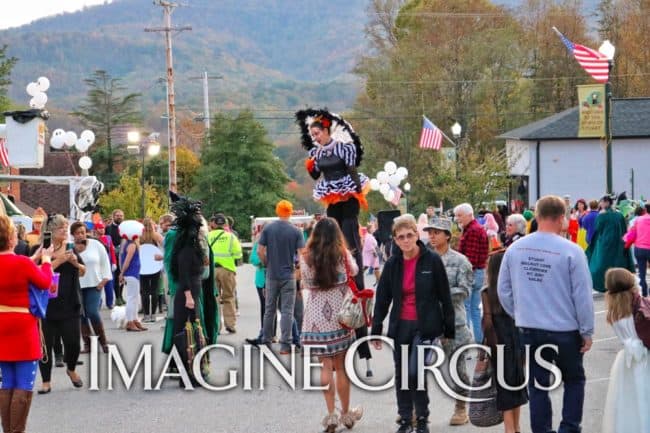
{"x":16,"y":13}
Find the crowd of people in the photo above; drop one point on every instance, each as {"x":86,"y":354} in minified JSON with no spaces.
{"x":492,"y":278}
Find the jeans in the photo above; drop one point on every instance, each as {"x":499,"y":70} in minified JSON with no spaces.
{"x":472,"y":306}
{"x":407,"y":332}
{"x":568,"y":359}
{"x":18,"y":374}
{"x":298,"y":310}
{"x":110,"y":294}
{"x":642,"y":256}
{"x":91,"y":297}
{"x":285,"y":292}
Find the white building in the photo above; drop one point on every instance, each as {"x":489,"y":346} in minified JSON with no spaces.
{"x":547,"y":157}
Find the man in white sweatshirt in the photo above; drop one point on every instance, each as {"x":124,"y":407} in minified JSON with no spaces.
{"x":545,"y":284}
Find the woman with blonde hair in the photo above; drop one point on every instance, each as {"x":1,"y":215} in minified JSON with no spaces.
{"x":149,"y":282}
{"x":63,"y":318}
{"x":325,"y":267}
{"x":628,"y":393}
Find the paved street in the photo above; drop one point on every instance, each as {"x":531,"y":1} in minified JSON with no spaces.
{"x":277,"y":408}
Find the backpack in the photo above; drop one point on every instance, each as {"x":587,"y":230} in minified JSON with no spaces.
{"x":641,"y":313}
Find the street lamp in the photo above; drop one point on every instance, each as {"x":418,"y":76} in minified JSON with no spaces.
{"x":407,"y":189}
{"x":456,"y":131}
{"x":138,"y":146}
{"x":608,"y":50}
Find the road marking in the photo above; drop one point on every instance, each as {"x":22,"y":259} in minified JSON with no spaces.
{"x":600,"y":340}
{"x":602,"y":379}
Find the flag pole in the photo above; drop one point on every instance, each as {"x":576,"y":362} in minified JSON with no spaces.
{"x":443,"y":133}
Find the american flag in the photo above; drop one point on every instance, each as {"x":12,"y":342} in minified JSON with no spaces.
{"x":4,"y":156}
{"x":596,"y":64}
{"x":431,"y":136}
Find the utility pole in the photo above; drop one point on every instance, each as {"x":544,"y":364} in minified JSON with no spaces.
{"x":168,"y":7}
{"x":206,"y":104}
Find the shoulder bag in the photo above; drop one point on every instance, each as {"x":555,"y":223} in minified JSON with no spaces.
{"x":484,"y":413}
{"x":357,"y":307}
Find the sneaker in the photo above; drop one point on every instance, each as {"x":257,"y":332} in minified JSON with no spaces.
{"x":405,"y":426}
{"x":58,"y":361}
{"x":253,"y":341}
{"x":231,"y":330}
{"x":421,"y":425}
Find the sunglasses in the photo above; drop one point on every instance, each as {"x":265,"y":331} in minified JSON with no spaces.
{"x":408,"y":236}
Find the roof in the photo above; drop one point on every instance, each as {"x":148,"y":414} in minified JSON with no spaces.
{"x":630,"y":119}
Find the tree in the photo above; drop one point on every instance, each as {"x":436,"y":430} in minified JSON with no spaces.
{"x":6,"y":65}
{"x":105,"y":107}
{"x":239,"y":175}
{"x":452,"y":61}
{"x":187,"y":163}
{"x":127,"y":196}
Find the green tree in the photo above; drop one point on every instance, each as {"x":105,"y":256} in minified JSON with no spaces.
{"x":127,"y":195}
{"x":187,"y":163}
{"x":239,"y":175}
{"x":106,"y":106}
{"x":451,"y":61}
{"x":6,"y":65}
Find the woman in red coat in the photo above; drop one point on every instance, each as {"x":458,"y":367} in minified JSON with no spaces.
{"x":20,"y":342}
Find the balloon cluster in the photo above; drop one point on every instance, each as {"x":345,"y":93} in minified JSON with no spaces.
{"x":61,"y":139}
{"x":37,"y":92}
{"x":388,"y":180}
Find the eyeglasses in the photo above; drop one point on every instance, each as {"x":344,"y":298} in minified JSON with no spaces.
{"x":408,"y":236}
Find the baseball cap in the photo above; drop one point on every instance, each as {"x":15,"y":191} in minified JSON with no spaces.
{"x":219,"y":219}
{"x":439,"y":223}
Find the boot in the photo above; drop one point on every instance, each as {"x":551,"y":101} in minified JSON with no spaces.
{"x":99,"y":330}
{"x":85,"y":336}
{"x":21,"y":401}
{"x":460,"y":414}
{"x":5,"y":404}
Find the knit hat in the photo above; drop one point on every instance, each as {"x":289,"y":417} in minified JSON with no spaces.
{"x":528,"y":214}
{"x":284,"y":209}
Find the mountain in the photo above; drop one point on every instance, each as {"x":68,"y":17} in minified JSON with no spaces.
{"x":272,"y":54}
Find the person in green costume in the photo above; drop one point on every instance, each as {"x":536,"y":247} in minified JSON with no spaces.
{"x":607,"y":248}
{"x":206,"y":307}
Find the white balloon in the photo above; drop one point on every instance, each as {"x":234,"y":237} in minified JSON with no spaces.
{"x":374,"y":184}
{"x":70,"y":138}
{"x":32,"y":89}
{"x":390,"y":195}
{"x":88,"y":136}
{"x":81,"y":145}
{"x":33,"y":104}
{"x":40,"y":99}
{"x":43,"y":84}
{"x":57,"y":141}
{"x":390,"y":167}
{"x":382,"y":177}
{"x":85,"y":162}
{"x":402,"y":172}
{"x":58,"y":132}
{"x":394,"y":180}
{"x":384,"y":188}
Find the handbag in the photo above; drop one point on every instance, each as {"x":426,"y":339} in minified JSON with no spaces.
{"x":189,"y":342}
{"x":484,"y":413}
{"x":357,"y":307}
{"x":38,"y":300}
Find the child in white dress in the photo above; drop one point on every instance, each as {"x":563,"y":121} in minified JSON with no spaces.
{"x":628,"y":394}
